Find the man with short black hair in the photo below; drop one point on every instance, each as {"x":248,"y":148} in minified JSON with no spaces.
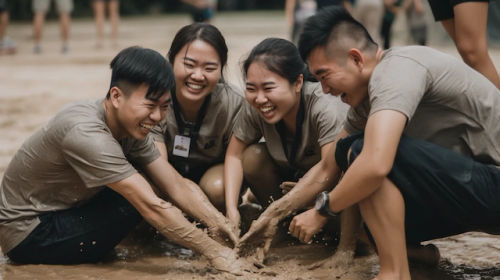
{"x":426,"y":164}
{"x":73,"y":190}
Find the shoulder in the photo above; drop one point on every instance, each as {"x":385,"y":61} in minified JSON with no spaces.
{"x":89,"y":112}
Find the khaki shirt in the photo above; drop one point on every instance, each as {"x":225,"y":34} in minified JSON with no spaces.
{"x":323,"y":119}
{"x":446,"y":102}
{"x":62,"y":165}
{"x":215,"y":131}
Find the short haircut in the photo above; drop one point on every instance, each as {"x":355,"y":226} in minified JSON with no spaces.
{"x":337,"y":31}
{"x":279,"y":56}
{"x":199,"y":31}
{"x":135,"y":66}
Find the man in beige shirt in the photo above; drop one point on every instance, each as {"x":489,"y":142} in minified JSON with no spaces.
{"x":73,"y":190}
{"x":426,"y":163}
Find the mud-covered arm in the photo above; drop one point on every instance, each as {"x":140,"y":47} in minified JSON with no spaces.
{"x":170,"y":222}
{"x":188,"y":196}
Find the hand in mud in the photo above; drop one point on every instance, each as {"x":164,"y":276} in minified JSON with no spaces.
{"x":258,"y":239}
{"x":225,"y":233}
{"x":305,"y":225}
{"x":287,"y":186}
{"x":227,"y":261}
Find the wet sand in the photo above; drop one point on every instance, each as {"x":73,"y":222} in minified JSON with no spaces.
{"x":34,"y":87}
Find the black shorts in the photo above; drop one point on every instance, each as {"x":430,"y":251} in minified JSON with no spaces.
{"x":82,"y":234}
{"x":443,"y":9}
{"x":445,"y":193}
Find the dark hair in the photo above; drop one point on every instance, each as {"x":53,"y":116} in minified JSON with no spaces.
{"x":279,"y":56}
{"x":134,"y":66}
{"x":334,"y":24}
{"x":201,"y":31}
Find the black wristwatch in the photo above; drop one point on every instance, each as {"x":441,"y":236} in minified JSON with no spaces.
{"x":322,"y":205}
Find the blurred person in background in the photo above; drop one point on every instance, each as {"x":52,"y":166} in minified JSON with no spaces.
{"x":113,"y":8}
{"x":391,"y":9}
{"x":40,"y":8}
{"x":201,"y":10}
{"x":297,"y":11}
{"x":466,"y":21}
{"x":370,"y":14}
{"x":415,"y":19}
{"x":7,"y":46}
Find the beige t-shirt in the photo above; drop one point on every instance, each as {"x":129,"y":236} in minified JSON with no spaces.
{"x":215,"y":131}
{"x":62,"y":165}
{"x":446,"y":101}
{"x":324,"y":117}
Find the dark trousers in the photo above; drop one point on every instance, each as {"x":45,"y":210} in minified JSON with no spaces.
{"x":445,"y":193}
{"x":79,"y":235}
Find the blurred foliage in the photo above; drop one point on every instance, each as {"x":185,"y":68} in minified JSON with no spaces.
{"x":21,"y":9}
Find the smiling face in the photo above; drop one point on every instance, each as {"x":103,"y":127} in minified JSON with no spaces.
{"x":135,"y":114}
{"x":197,"y":69}
{"x":271,"y":94}
{"x":344,"y":80}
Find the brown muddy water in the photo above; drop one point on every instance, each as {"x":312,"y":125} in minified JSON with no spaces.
{"x":34,"y":87}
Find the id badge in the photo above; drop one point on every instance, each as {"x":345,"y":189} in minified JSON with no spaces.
{"x":181,"y":146}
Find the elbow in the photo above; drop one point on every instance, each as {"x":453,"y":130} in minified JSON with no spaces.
{"x":380,"y":169}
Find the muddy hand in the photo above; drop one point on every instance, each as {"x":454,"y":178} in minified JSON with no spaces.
{"x":225,"y":233}
{"x":287,"y":186}
{"x":258,"y":239}
{"x":227,"y":261}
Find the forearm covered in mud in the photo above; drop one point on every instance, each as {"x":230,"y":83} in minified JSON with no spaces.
{"x":183,"y":192}
{"x":165,"y":217}
{"x":197,"y":205}
{"x":170,"y":222}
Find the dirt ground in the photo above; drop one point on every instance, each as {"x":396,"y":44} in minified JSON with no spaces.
{"x":34,"y":87}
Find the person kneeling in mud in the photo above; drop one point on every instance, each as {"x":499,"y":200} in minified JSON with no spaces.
{"x":72,"y":191}
{"x":299,"y":124}
{"x":195,"y":133}
{"x":422,"y":156}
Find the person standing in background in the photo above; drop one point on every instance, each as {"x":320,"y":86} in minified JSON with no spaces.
{"x":298,"y":11}
{"x":113,"y":7}
{"x":370,"y":14}
{"x":40,"y":8}
{"x":391,"y":8}
{"x":7,"y":46}
{"x":415,"y":19}
{"x":466,"y":21}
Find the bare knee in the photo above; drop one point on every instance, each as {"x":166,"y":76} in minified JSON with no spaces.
{"x":212,"y":184}
{"x":255,"y":158}
{"x":473,"y":52}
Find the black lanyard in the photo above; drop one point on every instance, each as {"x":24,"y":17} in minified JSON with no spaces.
{"x":181,"y":126}
{"x":281,"y":128}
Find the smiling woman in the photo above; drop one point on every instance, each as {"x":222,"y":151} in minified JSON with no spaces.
{"x":197,"y":128}
{"x":298,"y":122}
